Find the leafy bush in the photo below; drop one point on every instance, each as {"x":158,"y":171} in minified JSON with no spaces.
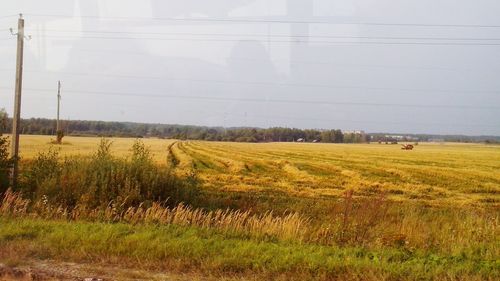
{"x":5,"y":164}
{"x":5,"y":160}
{"x":102,"y":179}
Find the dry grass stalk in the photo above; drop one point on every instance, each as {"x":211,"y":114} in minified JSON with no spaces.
{"x":292,"y":226}
{"x":13,"y":204}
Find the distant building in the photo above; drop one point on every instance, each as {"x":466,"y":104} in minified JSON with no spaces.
{"x":354,"y":132}
{"x":401,"y":138}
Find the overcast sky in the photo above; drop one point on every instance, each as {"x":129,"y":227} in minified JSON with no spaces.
{"x":408,"y":66}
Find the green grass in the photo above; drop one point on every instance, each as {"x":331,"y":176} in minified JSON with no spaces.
{"x":203,"y":250}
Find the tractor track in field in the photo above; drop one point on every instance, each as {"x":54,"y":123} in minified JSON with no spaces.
{"x":250,"y":160}
{"x":171,"y":158}
{"x":195,"y":162}
{"x":282,"y":168}
{"x":232,"y":165}
{"x":181,"y":160}
{"x":316,"y":168}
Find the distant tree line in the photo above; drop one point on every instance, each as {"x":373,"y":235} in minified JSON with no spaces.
{"x":385,"y":137}
{"x":42,"y":126}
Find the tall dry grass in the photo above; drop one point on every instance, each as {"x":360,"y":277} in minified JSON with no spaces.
{"x":289,"y":227}
{"x":375,"y":224}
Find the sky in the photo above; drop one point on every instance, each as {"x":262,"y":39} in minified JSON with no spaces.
{"x":401,"y":66}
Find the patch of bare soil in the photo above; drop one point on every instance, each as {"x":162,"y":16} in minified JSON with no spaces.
{"x":49,"y":270}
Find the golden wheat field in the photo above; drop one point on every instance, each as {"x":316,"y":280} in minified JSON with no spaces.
{"x":435,"y":173}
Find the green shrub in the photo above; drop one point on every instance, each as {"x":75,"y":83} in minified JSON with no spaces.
{"x":5,"y":164}
{"x":102,"y":179}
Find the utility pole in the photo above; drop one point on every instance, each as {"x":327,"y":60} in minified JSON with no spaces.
{"x":16,"y":119}
{"x":58,"y":128}
{"x":59,"y":132}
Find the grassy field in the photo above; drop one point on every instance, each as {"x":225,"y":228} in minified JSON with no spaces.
{"x":435,"y":173}
{"x":32,"y":145}
{"x":453,"y":174}
{"x":208,"y":252}
{"x":289,"y":211}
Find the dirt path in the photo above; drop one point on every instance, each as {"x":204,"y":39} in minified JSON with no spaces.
{"x":51,"y":270}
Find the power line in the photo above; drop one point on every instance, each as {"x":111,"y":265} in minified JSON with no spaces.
{"x":302,"y":118}
{"x":267,"y":21}
{"x":274,"y":35}
{"x":281,"y":41}
{"x":8,"y":16}
{"x":279,"y":84}
{"x":290,"y":101}
{"x":288,"y":117}
{"x":286,"y":60}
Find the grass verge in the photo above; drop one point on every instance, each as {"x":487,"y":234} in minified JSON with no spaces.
{"x":188,"y":249}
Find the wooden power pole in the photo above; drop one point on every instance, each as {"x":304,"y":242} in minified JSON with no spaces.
{"x":58,"y":128}
{"x":16,"y":119}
